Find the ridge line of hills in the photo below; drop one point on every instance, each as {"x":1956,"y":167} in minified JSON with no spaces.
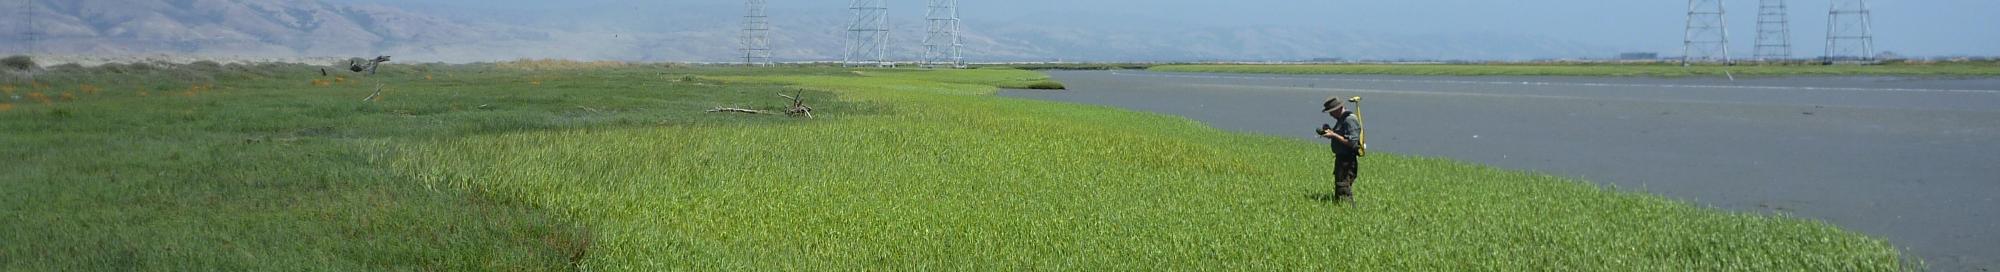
{"x":313,"y":28}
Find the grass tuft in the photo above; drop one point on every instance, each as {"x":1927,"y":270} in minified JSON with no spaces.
{"x":18,"y":63}
{"x":1047,"y":85}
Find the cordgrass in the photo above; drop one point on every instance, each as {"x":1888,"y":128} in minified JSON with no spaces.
{"x":615,"y":167}
{"x":272,"y":167}
{"x":952,"y":178}
{"x":1949,"y":69}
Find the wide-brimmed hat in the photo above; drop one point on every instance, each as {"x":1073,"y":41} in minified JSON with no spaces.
{"x":1332,"y":102}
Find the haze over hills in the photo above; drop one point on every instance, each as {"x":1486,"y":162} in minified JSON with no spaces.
{"x":250,"y":28}
{"x":692,"y":32}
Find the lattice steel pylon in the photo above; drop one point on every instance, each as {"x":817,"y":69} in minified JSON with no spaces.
{"x":868,"y":36}
{"x":756,"y":38}
{"x":1849,"y":31}
{"x":1774,"y":31}
{"x":1707,"y":35}
{"x":33,"y":36}
{"x":941,"y":47}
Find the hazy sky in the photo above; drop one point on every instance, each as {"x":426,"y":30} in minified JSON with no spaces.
{"x":1910,"y":27}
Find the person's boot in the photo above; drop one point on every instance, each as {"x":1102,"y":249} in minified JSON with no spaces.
{"x":1343,"y":194}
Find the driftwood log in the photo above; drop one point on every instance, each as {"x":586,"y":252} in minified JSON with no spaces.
{"x":798,"y":108}
{"x":371,"y":97}
{"x":369,"y":66}
{"x":736,"y":110}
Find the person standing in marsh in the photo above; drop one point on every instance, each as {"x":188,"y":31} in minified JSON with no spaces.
{"x":1345,"y":135}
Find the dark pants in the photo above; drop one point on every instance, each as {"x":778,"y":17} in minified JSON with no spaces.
{"x":1344,"y":170}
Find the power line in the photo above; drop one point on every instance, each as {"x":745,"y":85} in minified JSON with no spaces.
{"x":1774,"y":31}
{"x":868,"y":36}
{"x":1707,"y":34}
{"x":755,"y":39}
{"x":34,"y":38}
{"x":942,"y":46}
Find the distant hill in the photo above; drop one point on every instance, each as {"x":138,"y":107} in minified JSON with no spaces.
{"x":242,"y":27}
{"x":288,"y":28}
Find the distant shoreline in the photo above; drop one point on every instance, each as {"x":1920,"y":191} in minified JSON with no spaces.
{"x":1941,"y":69}
{"x":95,"y":60}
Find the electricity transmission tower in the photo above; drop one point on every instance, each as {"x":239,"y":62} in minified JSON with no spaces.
{"x":941,"y":47}
{"x":1774,"y":31}
{"x":868,"y":36}
{"x":1849,"y":33}
{"x":33,"y":38}
{"x":756,"y":28}
{"x":1707,"y":35}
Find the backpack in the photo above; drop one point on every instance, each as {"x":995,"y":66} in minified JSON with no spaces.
{"x":1360,"y":144}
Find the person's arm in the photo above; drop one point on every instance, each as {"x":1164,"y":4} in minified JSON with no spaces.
{"x":1330,"y":134}
{"x":1353,"y":133}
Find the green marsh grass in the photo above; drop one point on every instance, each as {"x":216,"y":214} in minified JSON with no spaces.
{"x":617,"y":168}
{"x":255,"y":167}
{"x":950,"y":177}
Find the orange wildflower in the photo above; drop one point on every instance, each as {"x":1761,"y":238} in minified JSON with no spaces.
{"x":88,"y":89}
{"x":6,"y":106}
{"x":39,"y":98}
{"x":65,"y":96}
{"x":197,"y":89}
